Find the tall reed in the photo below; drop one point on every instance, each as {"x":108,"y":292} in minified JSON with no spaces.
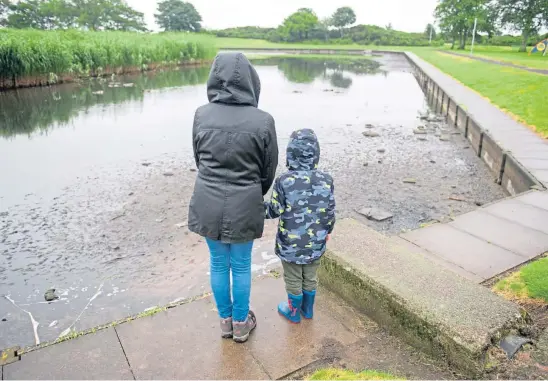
{"x":34,"y":57}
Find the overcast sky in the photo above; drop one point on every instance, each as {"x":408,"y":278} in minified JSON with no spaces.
{"x":406,"y":15}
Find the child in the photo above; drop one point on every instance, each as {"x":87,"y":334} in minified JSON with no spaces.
{"x":304,"y":200}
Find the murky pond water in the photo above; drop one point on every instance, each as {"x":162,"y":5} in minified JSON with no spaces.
{"x":95,"y":180}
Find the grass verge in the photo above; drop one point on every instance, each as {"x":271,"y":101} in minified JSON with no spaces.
{"x":520,"y":93}
{"x":344,"y":374}
{"x":528,"y":287}
{"x":530,"y":282}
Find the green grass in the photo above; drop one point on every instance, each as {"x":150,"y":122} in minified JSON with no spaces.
{"x":343,"y":374}
{"x":508,"y":54}
{"x":28,"y":53}
{"x":530,"y":282}
{"x":245,"y":43}
{"x":521,"y":93}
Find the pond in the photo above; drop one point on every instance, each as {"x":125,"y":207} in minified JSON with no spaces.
{"x":95,"y":180}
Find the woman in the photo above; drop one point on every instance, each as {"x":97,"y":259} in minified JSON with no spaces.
{"x":236,"y":152}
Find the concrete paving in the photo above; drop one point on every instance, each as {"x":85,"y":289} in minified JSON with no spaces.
{"x":490,"y":240}
{"x":184,"y":343}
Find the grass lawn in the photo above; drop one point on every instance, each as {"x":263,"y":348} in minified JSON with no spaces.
{"x":343,"y":374}
{"x":244,"y":43}
{"x":530,"y":282}
{"x":521,"y":93}
{"x":508,"y":54}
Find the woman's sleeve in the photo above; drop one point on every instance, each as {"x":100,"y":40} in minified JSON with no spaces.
{"x":194,"y":139}
{"x":270,"y":156}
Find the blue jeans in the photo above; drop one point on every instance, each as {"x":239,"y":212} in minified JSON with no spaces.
{"x":235,"y":257}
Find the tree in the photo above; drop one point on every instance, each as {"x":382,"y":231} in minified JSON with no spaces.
{"x":298,"y":25}
{"x":525,"y":16}
{"x":324,"y":25}
{"x":176,"y":15}
{"x":456,"y":18}
{"x":87,"y":14}
{"x":343,"y":17}
{"x":389,"y":26}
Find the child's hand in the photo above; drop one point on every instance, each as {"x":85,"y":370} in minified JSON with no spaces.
{"x":328,"y":238}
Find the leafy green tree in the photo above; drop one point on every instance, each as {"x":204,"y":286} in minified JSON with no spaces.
{"x":87,"y":14}
{"x":107,"y":15}
{"x":298,"y":25}
{"x":177,"y":15}
{"x":343,"y":17}
{"x":324,"y":25}
{"x":525,"y":16}
{"x":456,"y":18}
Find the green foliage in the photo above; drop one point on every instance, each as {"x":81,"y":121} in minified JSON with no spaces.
{"x":456,"y":18}
{"x":27,"y":53}
{"x":177,"y":15}
{"x":345,"y":374}
{"x":64,"y":14}
{"x":343,"y":17}
{"x":253,"y":32}
{"x":525,"y":16}
{"x":298,"y":25}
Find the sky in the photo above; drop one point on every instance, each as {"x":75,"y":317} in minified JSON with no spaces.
{"x":405,"y":15}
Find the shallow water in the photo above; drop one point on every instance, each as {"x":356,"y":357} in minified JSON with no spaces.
{"x":95,"y":180}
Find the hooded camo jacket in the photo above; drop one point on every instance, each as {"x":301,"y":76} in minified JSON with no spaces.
{"x":304,"y":200}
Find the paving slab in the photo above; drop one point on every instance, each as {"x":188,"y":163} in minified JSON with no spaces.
{"x":283,"y":348}
{"x":437,"y":259}
{"x":521,"y":213}
{"x":464,"y":250}
{"x":509,"y":235}
{"x":184,"y":343}
{"x":537,"y":199}
{"x":94,"y":356}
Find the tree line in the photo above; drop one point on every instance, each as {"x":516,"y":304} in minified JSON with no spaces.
{"x":173,"y":15}
{"x":304,"y":25}
{"x":456,"y":19}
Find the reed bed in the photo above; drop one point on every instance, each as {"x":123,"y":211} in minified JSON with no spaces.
{"x":34,"y":57}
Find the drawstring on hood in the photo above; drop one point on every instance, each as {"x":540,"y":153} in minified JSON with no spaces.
{"x":303,"y":151}
{"x":233,"y":80}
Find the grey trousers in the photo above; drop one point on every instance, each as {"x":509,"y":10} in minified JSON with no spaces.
{"x":300,"y":277}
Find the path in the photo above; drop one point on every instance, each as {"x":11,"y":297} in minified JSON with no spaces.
{"x":496,"y":62}
{"x":503,"y":235}
{"x":184,"y":343}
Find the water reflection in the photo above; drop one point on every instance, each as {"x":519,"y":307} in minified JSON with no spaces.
{"x":27,"y":111}
{"x":308,"y":69}
{"x":39,"y":109}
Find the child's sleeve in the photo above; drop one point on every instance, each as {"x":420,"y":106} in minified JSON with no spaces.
{"x":331,"y":209}
{"x":276,"y":206}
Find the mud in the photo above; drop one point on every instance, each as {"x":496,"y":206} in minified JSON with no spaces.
{"x":86,"y":207}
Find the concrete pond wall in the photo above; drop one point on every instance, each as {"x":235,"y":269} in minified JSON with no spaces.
{"x":506,"y":170}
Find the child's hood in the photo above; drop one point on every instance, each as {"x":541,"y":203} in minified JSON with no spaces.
{"x":303,"y":150}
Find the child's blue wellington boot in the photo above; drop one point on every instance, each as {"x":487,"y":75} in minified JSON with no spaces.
{"x":307,"y":308}
{"x":291,"y":309}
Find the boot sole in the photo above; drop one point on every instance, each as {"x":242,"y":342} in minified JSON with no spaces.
{"x":285,"y":317}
